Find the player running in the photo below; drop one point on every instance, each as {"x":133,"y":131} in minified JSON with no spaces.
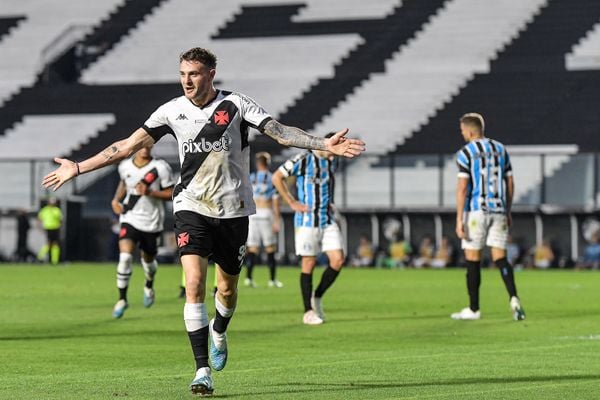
{"x":213,"y":196}
{"x":264,"y":225}
{"x":146,"y":183}
{"x":484,"y":196}
{"x":315,"y":223}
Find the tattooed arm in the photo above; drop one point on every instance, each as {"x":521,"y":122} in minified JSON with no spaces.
{"x":112,"y":154}
{"x":338,"y":144}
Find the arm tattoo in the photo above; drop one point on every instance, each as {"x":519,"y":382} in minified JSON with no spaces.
{"x":291,"y":136}
{"x":110,"y":152}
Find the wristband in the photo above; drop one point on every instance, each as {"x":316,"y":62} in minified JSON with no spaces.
{"x":78,"y":171}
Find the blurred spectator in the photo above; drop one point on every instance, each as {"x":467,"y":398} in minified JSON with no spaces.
{"x":513,"y":252}
{"x":22,"y":253}
{"x":399,"y":253}
{"x":443,"y":255}
{"x":426,"y":250}
{"x":543,"y":255}
{"x":365,"y":254}
{"x":591,"y":255}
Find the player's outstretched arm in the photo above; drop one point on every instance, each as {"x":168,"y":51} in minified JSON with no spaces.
{"x":338,"y":144}
{"x":112,"y":154}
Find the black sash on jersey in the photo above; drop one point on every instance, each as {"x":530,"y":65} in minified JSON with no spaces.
{"x":211,"y":132}
{"x":148,"y":178}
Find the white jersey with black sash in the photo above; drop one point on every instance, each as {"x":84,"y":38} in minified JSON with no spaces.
{"x":213,"y":151}
{"x":145,"y":213}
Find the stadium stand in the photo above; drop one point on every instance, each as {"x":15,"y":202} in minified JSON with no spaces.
{"x":398,"y":73}
{"x":585,"y":54}
{"x":426,"y":72}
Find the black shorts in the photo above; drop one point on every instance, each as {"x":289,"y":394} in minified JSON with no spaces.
{"x":53,"y":235}
{"x":223,"y":240}
{"x":147,"y":240}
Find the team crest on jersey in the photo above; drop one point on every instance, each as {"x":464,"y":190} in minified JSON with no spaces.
{"x":221,"y":117}
{"x":183,"y":239}
{"x":205,"y":146}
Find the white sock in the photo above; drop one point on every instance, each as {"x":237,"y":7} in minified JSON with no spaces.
{"x":195,"y":316}
{"x":150,"y":269}
{"x":124,"y":270}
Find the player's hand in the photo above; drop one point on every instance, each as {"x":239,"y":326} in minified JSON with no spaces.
{"x":299,"y":207}
{"x":61,"y":175}
{"x":276,"y":227}
{"x":460,"y":230}
{"x":340,"y":145}
{"x":117,"y":207}
{"x":142,"y":189}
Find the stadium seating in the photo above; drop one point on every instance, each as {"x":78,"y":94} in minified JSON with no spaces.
{"x":22,"y":50}
{"x":432,"y":68}
{"x":586,"y":54}
{"x":398,"y":73}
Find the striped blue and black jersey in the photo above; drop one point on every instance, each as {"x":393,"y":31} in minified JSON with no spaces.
{"x":485,"y":162}
{"x":262,"y":186}
{"x":315,"y":185}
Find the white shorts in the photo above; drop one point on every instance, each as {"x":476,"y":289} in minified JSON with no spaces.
{"x":260,"y":229}
{"x":311,"y":241}
{"x":485,"y":229}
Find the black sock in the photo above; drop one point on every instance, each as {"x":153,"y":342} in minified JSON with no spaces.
{"x":508,"y":276}
{"x":149,"y":284}
{"x":473,"y":282}
{"x":306,"y":289}
{"x":221,"y":322}
{"x":271,"y":264}
{"x":250,"y":260}
{"x":123,"y":294}
{"x":327,"y":279}
{"x":199,"y":342}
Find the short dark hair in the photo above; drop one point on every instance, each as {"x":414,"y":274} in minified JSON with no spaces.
{"x":199,"y":54}
{"x":263,"y":157}
{"x":473,"y":119}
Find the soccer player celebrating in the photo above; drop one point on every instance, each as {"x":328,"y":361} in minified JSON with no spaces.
{"x":315,"y":223}
{"x":264,"y":225}
{"x":484,"y":196}
{"x":213,"y":196}
{"x":145,"y":184}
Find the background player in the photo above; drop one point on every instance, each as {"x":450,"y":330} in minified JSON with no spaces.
{"x":213,"y":196}
{"x":484,"y":196}
{"x":146,"y":182}
{"x":315,"y":223}
{"x":264,"y":225}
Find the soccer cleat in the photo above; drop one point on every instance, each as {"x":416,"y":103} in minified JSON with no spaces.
{"x":515,"y":306}
{"x":218,"y":347}
{"x":311,"y":318}
{"x":317,"y":304}
{"x":148,"y":297}
{"x":202,"y":383}
{"x":275,"y":283}
{"x":119,"y":309}
{"x":466,"y":314}
{"x":250,"y":283}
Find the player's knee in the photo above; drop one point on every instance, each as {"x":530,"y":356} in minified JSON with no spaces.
{"x":226,"y":290}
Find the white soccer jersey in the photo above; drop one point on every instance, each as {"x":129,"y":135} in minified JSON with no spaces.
{"x":145,"y":213}
{"x":213,"y":151}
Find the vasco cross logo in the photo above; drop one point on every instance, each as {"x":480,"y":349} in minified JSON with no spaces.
{"x":221,"y":117}
{"x":204,"y":146}
{"x":183,"y":239}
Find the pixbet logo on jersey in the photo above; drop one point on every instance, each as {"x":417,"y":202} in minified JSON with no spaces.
{"x":204,"y":146}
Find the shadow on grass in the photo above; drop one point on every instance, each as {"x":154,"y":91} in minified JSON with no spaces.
{"x":311,"y":387}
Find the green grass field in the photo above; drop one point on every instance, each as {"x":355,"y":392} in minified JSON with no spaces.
{"x":388,"y":336}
